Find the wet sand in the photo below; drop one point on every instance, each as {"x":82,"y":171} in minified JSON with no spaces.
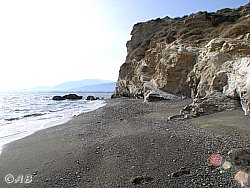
{"x":128,"y":143}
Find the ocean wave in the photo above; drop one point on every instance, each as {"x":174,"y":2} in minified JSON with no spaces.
{"x":58,"y":110}
{"x":33,"y":115}
{"x":53,"y":117}
{"x":12,"y":119}
{"x":21,"y":110}
{"x":16,"y":133}
{"x":25,"y":116}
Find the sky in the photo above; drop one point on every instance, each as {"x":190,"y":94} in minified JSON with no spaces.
{"x":47,"y":42}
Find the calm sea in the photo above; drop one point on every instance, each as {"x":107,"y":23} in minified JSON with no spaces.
{"x":21,"y":114}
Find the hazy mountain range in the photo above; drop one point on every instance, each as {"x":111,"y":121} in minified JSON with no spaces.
{"x":87,"y":85}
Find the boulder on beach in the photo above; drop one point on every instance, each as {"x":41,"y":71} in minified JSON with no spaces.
{"x":155,"y":97}
{"x":58,"y":98}
{"x":90,"y":98}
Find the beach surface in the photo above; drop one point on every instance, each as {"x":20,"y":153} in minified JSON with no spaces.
{"x":127,"y":143}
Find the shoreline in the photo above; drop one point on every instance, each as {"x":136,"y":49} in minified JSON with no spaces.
{"x":29,"y":130}
{"x":127,"y":143}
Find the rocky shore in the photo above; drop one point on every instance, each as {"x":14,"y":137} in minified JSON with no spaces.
{"x":129,"y":143}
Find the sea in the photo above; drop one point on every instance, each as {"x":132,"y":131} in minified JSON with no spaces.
{"x":22,"y":114}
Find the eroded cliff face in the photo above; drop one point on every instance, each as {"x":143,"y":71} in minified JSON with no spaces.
{"x":204,"y":55}
{"x":220,"y":80}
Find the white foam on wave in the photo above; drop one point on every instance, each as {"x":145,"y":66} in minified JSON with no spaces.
{"x":23,"y":128}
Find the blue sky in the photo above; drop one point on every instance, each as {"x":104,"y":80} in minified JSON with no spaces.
{"x":44,"y":43}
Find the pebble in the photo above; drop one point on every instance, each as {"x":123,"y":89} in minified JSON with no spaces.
{"x":226,"y":165}
{"x":35,"y":173}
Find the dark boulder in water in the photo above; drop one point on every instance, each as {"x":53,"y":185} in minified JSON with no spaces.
{"x":72,"y":97}
{"x":69,"y":96}
{"x":58,"y":98}
{"x":90,"y":98}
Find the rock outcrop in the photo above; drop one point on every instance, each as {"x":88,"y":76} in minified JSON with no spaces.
{"x":221,"y":77}
{"x":58,"y":98}
{"x":72,"y":97}
{"x":91,"y":98}
{"x":205,"y":56}
{"x":69,"y":96}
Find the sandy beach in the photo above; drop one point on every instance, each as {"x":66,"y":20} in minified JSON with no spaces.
{"x":128,"y":143}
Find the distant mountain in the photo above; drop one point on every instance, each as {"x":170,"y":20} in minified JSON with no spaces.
{"x":92,"y":85}
{"x":77,"y":84}
{"x":105,"y":87}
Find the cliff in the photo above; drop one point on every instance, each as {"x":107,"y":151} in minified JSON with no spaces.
{"x":205,"y":56}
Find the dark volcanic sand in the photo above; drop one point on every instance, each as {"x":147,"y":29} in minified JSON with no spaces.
{"x":128,"y":143}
